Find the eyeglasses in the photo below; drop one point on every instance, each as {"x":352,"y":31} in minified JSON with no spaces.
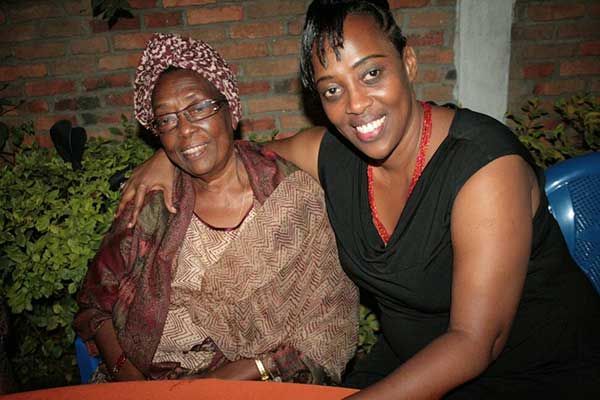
{"x":194,"y":113}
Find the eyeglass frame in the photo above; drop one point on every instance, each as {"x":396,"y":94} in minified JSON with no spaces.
{"x":216,"y":103}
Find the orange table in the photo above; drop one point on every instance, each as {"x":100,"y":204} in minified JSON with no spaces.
{"x":201,"y":389}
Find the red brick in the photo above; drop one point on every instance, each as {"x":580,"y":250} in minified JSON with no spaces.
{"x":129,"y":41}
{"x":273,"y":103}
{"x":120,"y":99}
{"x":78,"y":7}
{"x":112,"y":118}
{"x":89,"y":46}
{"x":538,"y":32}
{"x":580,"y":30}
{"x":160,"y":20}
{"x":243,"y":50}
{"x":593,"y":9}
{"x":407,"y":3}
{"x":14,"y":89}
{"x":45,"y":122}
{"x":254,"y":125}
{"x":550,"y":12}
{"x":430,"y":75}
{"x":65,"y":104}
{"x":6,"y":52}
{"x":74,"y":66}
{"x":40,"y":50}
{"x":61,"y":28}
{"x":36,"y":106}
{"x":2,"y":17}
{"x":595,"y":86}
{"x":437,"y":93}
{"x":546,"y":51}
{"x":18,"y":33}
{"x":14,"y":72}
{"x":532,"y":71}
{"x":123,"y":24}
{"x":209,"y":35}
{"x":142,"y":3}
{"x":277,"y":67}
{"x":554,"y":88}
{"x":429,"y":20}
{"x":445,"y":2}
{"x":427,"y":39}
{"x":590,"y":48}
{"x":85,"y":103}
{"x":212,"y":15}
{"x":294,"y":122}
{"x":284,"y":47}
{"x":432,"y":55}
{"x":256,"y":30}
{"x":119,"y":61}
{"x":33,"y":10}
{"x":580,"y":67}
{"x":295,"y":27}
{"x":180,"y":3}
{"x":49,"y":88}
{"x":254,"y":87}
{"x":119,"y":80}
{"x":274,"y":8}
{"x":288,"y":86}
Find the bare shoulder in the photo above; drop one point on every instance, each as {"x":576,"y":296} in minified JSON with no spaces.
{"x":302,"y":149}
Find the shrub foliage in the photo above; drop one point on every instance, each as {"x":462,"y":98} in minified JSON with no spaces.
{"x":573,"y":128}
{"x":52,"y":220}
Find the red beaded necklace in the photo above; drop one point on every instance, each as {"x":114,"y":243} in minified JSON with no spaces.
{"x":419,"y":166}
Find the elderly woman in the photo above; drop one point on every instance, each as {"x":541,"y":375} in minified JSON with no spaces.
{"x":441,"y":215}
{"x":244,"y":281}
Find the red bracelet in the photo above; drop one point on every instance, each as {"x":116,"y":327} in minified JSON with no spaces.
{"x":118,"y":365}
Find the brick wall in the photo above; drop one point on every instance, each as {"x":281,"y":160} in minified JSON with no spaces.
{"x":556,"y":50}
{"x":67,"y":65}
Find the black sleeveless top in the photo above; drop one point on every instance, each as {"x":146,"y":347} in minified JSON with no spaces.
{"x":558,"y":320}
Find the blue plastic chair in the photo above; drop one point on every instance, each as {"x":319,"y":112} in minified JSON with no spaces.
{"x":86,"y":363}
{"x":573,"y":190}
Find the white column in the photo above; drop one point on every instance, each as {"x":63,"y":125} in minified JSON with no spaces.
{"x":482,"y":55}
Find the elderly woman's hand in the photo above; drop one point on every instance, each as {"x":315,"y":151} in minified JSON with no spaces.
{"x":156,"y":173}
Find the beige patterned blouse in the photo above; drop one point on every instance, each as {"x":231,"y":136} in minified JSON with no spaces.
{"x":202,"y":247}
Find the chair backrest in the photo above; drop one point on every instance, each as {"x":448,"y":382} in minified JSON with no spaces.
{"x":573,"y":190}
{"x":87,"y":364}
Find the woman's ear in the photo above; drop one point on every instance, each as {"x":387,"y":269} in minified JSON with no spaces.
{"x":409,"y":59}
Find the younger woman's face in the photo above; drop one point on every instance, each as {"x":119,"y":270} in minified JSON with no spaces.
{"x":367,"y":94}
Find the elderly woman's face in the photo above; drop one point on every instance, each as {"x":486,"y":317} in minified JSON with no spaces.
{"x":200,"y":148}
{"x":367,"y":92}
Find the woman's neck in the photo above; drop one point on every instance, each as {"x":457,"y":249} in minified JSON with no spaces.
{"x":231,"y":178}
{"x":403,"y":157}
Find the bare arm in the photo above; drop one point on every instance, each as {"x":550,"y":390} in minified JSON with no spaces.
{"x":158,"y":173}
{"x":110,"y":350}
{"x":491,"y":237}
{"x":302,"y":149}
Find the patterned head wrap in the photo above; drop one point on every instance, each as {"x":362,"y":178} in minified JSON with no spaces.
{"x":165,"y":50}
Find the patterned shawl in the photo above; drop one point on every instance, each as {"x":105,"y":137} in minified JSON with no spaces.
{"x":278,"y":284}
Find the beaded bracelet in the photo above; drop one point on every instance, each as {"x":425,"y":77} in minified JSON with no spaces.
{"x":118,"y":365}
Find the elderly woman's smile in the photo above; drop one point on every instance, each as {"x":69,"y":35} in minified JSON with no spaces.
{"x":194,"y":151}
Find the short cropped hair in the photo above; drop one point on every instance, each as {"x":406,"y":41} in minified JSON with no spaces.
{"x":325,"y":25}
